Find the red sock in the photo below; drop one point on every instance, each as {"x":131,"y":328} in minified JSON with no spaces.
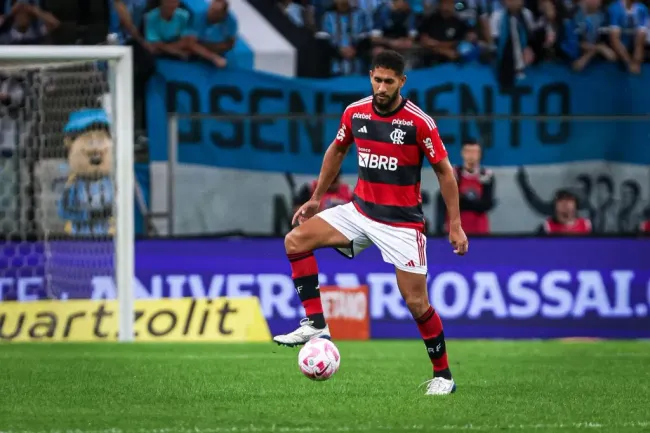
{"x":430,"y":327}
{"x":304,"y":271}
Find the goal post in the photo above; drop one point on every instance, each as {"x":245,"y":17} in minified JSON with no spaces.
{"x":116,"y":66}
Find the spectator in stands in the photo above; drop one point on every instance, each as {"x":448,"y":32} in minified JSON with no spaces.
{"x":589,"y":24}
{"x":476,"y":185}
{"x":26,"y":24}
{"x":217,"y":32}
{"x":394,"y":27}
{"x":440,"y":34}
{"x":513,"y":30}
{"x":628,"y":30}
{"x":566,"y":221}
{"x":555,"y":36}
{"x":347,"y":29}
{"x":169,"y":29}
{"x":130,"y":14}
{"x":475,"y":15}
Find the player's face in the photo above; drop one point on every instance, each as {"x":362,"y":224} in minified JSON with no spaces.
{"x":386,"y":85}
{"x":471,"y":154}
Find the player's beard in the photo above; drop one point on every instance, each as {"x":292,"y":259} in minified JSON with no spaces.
{"x":386,"y":103}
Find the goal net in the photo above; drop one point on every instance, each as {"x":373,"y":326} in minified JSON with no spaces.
{"x":66,"y":204}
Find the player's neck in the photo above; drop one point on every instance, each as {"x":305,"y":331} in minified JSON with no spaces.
{"x":390,"y":109}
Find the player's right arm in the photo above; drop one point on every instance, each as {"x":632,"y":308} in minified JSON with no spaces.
{"x":332,"y":161}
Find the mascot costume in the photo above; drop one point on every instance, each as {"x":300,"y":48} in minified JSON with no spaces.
{"x":88,"y":196}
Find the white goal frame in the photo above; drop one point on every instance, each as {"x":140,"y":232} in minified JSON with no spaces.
{"x":121,"y":90}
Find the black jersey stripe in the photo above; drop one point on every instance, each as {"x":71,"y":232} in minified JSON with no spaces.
{"x":383,"y":131}
{"x":390,"y":214}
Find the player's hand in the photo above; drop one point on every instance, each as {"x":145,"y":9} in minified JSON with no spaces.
{"x":306,"y":211}
{"x":458,"y":240}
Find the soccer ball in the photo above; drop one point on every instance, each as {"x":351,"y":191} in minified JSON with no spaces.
{"x":319,"y":359}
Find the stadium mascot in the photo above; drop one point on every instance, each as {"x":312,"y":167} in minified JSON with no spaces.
{"x":87,"y":201}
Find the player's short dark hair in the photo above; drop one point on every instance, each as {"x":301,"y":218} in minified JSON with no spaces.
{"x":389,"y":59}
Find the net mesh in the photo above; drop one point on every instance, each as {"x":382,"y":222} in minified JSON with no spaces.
{"x":56,"y":187}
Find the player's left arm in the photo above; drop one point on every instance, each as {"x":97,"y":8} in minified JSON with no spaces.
{"x":431,"y":144}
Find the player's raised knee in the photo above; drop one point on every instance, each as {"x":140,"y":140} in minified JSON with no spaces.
{"x":294,"y":242}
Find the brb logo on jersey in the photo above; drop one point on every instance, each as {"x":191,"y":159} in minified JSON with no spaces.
{"x":380,"y":162}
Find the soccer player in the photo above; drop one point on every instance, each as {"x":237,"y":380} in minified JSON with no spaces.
{"x":393,"y":136}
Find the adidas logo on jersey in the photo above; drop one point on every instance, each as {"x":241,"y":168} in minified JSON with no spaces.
{"x":380,"y":162}
{"x":361,"y":116}
{"x":402,"y":122}
{"x":363,"y":130}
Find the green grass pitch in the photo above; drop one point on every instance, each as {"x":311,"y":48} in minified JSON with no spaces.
{"x":213,"y":388}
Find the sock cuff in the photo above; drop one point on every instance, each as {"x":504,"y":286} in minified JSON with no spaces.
{"x":426,"y":316}
{"x":299,"y":256}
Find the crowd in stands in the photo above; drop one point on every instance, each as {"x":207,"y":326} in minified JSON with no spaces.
{"x":515,"y":33}
{"x":154,"y":28}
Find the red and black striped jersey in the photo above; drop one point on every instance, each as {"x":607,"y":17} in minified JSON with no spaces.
{"x":391,"y":148}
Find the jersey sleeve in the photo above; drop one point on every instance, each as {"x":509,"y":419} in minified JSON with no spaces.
{"x":344,"y":136}
{"x":430,"y":142}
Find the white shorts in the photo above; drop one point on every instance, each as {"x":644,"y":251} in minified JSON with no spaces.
{"x":405,"y":248}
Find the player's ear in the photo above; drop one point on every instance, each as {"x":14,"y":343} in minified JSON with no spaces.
{"x":403,"y":80}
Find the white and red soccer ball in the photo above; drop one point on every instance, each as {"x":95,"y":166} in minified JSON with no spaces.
{"x":319,"y":359}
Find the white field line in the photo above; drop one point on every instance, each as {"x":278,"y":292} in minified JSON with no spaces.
{"x":274,"y":428}
{"x":265,"y":355}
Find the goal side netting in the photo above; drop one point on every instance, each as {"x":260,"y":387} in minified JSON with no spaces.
{"x":66,"y":146}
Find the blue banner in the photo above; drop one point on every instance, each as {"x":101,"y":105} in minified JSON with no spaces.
{"x":504,"y":288}
{"x":297,"y":146}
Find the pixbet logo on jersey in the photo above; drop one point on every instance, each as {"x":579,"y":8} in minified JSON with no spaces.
{"x":402,"y":122}
{"x":361,"y":116}
{"x":381,"y":162}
